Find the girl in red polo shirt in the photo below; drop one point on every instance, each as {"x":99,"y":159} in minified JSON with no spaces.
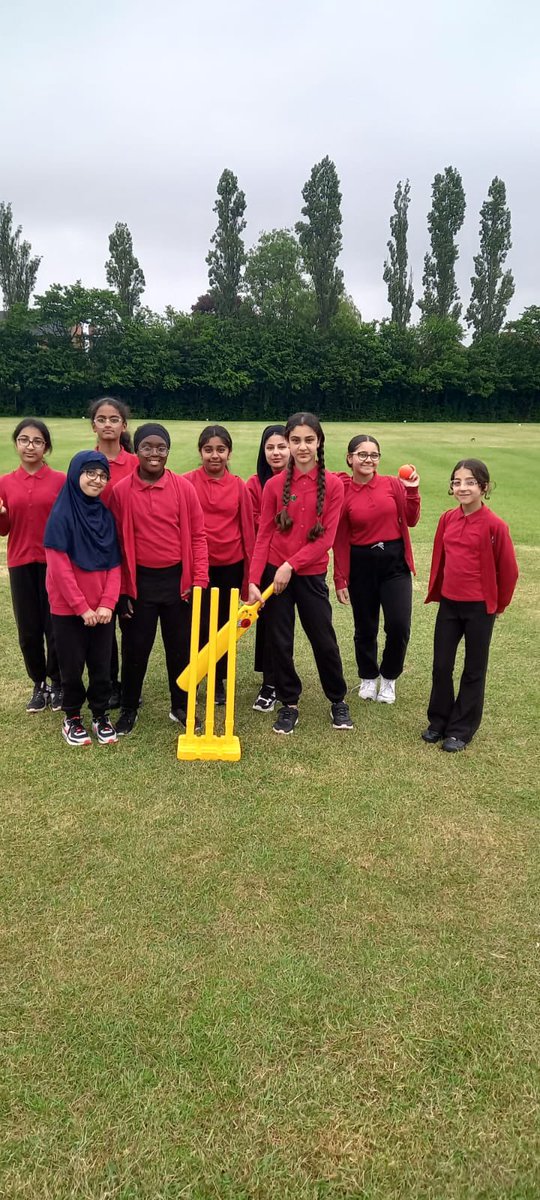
{"x":26,"y":498}
{"x":228,"y":523}
{"x":272,"y":459}
{"x":373,"y":562}
{"x":473,"y":576}
{"x":161,"y":530}
{"x":83,"y":582}
{"x":299,"y":517}
{"x":109,"y":418}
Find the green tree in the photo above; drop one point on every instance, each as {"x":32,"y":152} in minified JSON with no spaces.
{"x":399,"y":282}
{"x":226,"y":259}
{"x":18,"y":269}
{"x":441,"y":296}
{"x":274,"y":276}
{"x":123,"y":271}
{"x":320,"y":237}
{"x":492,"y":289}
{"x":64,"y":309}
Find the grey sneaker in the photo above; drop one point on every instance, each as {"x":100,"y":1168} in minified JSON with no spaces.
{"x":39,"y":699}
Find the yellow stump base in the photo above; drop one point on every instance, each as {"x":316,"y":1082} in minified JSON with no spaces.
{"x":208,"y":748}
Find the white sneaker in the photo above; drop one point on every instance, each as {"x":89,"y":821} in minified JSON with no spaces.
{"x":387,"y":691}
{"x":368,"y":689}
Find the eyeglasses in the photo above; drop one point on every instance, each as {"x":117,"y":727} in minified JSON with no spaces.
{"x":162,"y":451}
{"x":26,"y":441}
{"x":362,"y":457}
{"x":107,"y":420}
{"x":455,"y":483}
{"x":99,"y":475}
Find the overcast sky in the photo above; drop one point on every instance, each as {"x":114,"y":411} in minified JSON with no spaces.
{"x":126,"y":110}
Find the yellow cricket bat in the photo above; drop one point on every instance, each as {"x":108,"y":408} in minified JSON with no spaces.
{"x":248,"y":614}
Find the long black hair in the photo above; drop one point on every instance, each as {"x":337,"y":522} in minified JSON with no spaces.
{"x":123,"y":412}
{"x":264,"y":470}
{"x":283,"y":520}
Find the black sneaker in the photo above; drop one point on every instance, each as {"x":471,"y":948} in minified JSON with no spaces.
{"x":453,"y":744}
{"x":341,"y":717}
{"x":56,"y":697}
{"x":266,"y":700}
{"x":287,"y":720}
{"x":431,"y":735}
{"x":104,"y":731}
{"x":39,"y":698}
{"x":126,"y":721}
{"x":74,"y":733}
{"x":179,"y":715}
{"x":220,"y":698}
{"x":115,"y":698}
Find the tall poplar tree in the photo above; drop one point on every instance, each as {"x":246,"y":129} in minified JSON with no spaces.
{"x":492,"y":289}
{"x":441,"y":296}
{"x":18,"y":269}
{"x":226,"y":259}
{"x":274,"y":276}
{"x":395,"y":275}
{"x":123,"y":271}
{"x":320,"y":237}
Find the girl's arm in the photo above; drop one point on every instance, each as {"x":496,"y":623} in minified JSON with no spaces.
{"x":199,"y":544}
{"x":342,"y":550}
{"x":111,"y":589}
{"x":264,"y":537}
{"x":246,"y":520}
{"x":4,"y":510}
{"x":63,"y":578}
{"x":254,"y":489}
{"x":412,"y":505}
{"x":505,"y":566}
{"x":4,"y":514}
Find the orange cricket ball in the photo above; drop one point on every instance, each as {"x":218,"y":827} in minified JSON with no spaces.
{"x":406,"y":471}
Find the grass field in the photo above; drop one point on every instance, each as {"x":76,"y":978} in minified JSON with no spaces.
{"x":309,"y":976}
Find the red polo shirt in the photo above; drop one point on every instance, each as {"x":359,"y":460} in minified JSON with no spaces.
{"x":122,"y":465}
{"x":275,"y":547}
{"x":28,"y":499}
{"x":462,"y":576}
{"x":220,"y":500}
{"x":156,"y":522}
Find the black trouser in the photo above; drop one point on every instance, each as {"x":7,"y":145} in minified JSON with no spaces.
{"x":158,"y":599}
{"x":309,"y":594}
{"x":460,"y":717}
{"x":115,"y":660}
{"x":380,"y":578}
{"x":224,"y":578}
{"x":81,"y":645}
{"x":33,"y":619}
{"x":264,"y":660}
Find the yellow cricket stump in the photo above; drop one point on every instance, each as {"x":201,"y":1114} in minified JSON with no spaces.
{"x":245,"y":618}
{"x":209,"y":746}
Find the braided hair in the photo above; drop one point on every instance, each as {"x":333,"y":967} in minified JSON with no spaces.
{"x":282,"y":519}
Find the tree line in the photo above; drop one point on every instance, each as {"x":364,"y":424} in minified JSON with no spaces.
{"x":276,"y":327}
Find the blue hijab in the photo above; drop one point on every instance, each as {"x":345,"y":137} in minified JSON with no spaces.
{"x":80,"y":526}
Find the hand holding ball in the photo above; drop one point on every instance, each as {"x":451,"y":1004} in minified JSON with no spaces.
{"x":406,"y":471}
